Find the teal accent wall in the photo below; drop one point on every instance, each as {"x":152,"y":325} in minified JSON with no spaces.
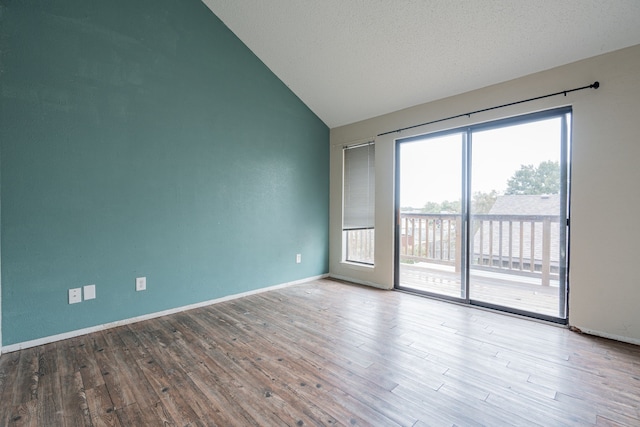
{"x":142,"y":138}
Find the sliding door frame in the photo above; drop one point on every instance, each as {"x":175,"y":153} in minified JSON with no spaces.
{"x":464,"y":207}
{"x":467,"y":146}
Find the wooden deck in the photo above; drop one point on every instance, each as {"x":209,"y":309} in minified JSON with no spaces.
{"x":504,"y":289}
{"x":325,"y":353}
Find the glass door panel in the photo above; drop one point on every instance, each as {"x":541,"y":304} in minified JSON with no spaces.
{"x":429,"y":238}
{"x":518,"y":200}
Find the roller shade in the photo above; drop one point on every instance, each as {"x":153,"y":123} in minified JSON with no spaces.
{"x":359,"y":187}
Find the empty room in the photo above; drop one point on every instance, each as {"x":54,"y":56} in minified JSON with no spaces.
{"x":289,"y":213}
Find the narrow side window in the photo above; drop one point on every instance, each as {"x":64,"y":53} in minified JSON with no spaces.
{"x":358,"y":204}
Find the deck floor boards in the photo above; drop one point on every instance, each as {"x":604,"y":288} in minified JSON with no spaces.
{"x":501,"y":288}
{"x":325,"y":353}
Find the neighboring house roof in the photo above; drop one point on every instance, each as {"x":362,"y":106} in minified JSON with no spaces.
{"x":519,"y":205}
{"x":527,"y":205}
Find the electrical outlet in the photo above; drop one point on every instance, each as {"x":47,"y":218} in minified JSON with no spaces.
{"x":89,"y":292}
{"x":75,"y":295}
{"x":298,"y":258}
{"x":141,"y":283}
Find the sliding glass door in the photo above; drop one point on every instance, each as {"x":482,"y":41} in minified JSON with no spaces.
{"x":431,"y":222}
{"x":517,"y":233}
{"x":482,"y":214}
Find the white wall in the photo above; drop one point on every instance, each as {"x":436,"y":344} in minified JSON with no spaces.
{"x":605,"y":198}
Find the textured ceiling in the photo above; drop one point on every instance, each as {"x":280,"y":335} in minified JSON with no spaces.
{"x":350,"y":60}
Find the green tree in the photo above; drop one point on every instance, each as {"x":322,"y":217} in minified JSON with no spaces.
{"x":450,"y":207}
{"x":544,"y":179}
{"x":431,"y":207}
{"x":483,"y":202}
{"x":443,"y":207}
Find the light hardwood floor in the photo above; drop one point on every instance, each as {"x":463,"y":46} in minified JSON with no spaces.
{"x":325,"y":353}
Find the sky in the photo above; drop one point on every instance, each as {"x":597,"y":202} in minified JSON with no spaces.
{"x":430,"y":168}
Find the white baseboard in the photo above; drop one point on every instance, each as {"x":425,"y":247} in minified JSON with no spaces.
{"x":79,"y":332}
{"x":608,"y":335}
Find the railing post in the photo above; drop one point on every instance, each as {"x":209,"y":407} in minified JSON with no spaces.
{"x":458,"y":243}
{"x":480,"y":227}
{"x":405,"y":236}
{"x":490,"y":243}
{"x":413,"y":237}
{"x":546,"y":251}
{"x":419,"y":238}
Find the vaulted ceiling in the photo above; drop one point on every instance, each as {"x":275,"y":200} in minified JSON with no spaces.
{"x":350,"y":60}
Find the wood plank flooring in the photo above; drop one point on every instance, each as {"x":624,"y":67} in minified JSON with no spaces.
{"x":325,"y":353}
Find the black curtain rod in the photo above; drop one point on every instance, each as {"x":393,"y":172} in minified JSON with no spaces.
{"x":594,"y":85}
